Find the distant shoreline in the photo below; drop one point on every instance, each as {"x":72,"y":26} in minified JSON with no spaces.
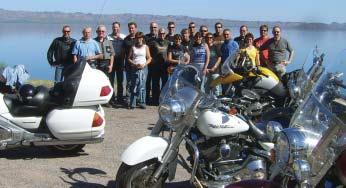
{"x":9,"y":16}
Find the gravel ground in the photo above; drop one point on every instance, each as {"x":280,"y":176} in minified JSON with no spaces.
{"x":95,"y":167}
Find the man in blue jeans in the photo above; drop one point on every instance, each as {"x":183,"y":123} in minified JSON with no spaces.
{"x":59,"y":53}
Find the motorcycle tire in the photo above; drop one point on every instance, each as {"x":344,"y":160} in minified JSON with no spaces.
{"x":139,"y":174}
{"x":67,"y":149}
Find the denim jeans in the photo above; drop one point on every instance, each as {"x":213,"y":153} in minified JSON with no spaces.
{"x":137,"y":86}
{"x":58,"y":77}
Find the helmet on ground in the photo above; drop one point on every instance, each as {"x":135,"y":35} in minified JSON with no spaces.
{"x":26,"y":92}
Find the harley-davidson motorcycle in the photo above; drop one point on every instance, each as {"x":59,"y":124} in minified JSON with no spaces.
{"x":220,"y":144}
{"x":224,"y":145}
{"x":312,"y":151}
{"x":63,"y":118}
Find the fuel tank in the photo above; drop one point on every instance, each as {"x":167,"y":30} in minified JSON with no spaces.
{"x":215,"y":123}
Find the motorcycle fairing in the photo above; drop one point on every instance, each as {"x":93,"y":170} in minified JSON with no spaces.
{"x":146,"y":148}
{"x":230,"y":78}
{"x":268,"y":79}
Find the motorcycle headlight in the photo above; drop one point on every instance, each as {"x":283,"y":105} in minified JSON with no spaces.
{"x":171,"y":111}
{"x":292,"y":144}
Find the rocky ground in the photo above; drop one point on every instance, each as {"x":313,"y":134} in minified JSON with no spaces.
{"x":95,"y":167}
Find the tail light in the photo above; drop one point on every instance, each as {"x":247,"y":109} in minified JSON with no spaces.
{"x":97,"y":121}
{"x":106,"y":90}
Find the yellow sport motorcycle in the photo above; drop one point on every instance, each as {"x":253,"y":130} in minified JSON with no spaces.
{"x":245,"y":83}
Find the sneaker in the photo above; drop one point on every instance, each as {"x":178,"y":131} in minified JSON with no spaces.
{"x":142,"y":106}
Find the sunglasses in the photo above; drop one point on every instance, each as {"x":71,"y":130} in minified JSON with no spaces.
{"x":67,"y":31}
{"x":153,"y":27}
{"x":192,"y":27}
{"x":218,"y":27}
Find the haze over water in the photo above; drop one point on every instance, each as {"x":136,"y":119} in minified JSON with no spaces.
{"x":28,"y":43}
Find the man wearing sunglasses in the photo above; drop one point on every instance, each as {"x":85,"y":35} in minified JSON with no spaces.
{"x":59,"y":52}
{"x":171,"y":32}
{"x":241,"y":38}
{"x":264,"y":54}
{"x":277,"y":48}
{"x":105,"y":63}
{"x":218,"y":36}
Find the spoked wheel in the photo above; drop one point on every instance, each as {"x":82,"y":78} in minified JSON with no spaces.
{"x":68,"y":149}
{"x":139,"y":176}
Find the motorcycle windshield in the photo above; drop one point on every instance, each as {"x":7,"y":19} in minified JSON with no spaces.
{"x":185,"y":78}
{"x":322,"y":115}
{"x":308,"y":74}
{"x":229,"y":64}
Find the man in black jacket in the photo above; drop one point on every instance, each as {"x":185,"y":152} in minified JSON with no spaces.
{"x":59,"y":53}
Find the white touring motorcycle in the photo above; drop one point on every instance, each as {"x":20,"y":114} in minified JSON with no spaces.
{"x":65,"y":117}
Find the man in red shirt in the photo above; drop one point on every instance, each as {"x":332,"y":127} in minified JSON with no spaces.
{"x":264,"y":54}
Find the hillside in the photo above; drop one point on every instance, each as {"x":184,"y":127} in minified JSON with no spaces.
{"x":7,"y":16}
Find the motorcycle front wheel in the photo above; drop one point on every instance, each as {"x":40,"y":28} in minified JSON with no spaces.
{"x":138,"y":176}
{"x":67,"y":149}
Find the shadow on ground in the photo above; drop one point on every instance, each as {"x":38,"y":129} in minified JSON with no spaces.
{"x":29,"y":153}
{"x":78,"y":177}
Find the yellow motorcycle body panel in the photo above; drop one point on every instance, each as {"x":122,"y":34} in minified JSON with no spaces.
{"x":230,"y":78}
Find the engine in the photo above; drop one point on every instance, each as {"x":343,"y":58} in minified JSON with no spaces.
{"x":226,"y":158}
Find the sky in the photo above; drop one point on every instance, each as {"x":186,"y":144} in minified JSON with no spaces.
{"x":325,"y":11}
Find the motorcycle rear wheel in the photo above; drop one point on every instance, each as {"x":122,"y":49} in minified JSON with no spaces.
{"x":138,"y":176}
{"x":67,"y":149}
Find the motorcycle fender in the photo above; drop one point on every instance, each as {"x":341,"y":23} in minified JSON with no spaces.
{"x":146,"y":148}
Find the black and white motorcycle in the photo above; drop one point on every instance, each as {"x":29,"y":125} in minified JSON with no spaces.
{"x":65,"y":117}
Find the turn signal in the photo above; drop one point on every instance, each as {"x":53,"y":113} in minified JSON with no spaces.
{"x":97,"y":121}
{"x":106,"y":90}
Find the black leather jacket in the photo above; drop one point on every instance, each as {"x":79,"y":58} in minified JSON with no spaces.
{"x":60,"y":51}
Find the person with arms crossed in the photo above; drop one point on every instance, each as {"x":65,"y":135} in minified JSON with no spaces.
{"x":59,"y":53}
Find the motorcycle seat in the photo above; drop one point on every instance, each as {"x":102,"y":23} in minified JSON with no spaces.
{"x":38,"y":105}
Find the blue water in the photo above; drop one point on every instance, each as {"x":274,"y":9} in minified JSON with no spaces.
{"x":28,"y":44}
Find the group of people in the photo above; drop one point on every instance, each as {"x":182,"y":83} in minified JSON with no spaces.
{"x":147,"y":60}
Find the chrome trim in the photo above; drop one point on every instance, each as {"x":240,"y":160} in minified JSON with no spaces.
{"x":301,"y":170}
{"x":273,"y":129}
{"x":68,"y":142}
{"x":195,"y":161}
